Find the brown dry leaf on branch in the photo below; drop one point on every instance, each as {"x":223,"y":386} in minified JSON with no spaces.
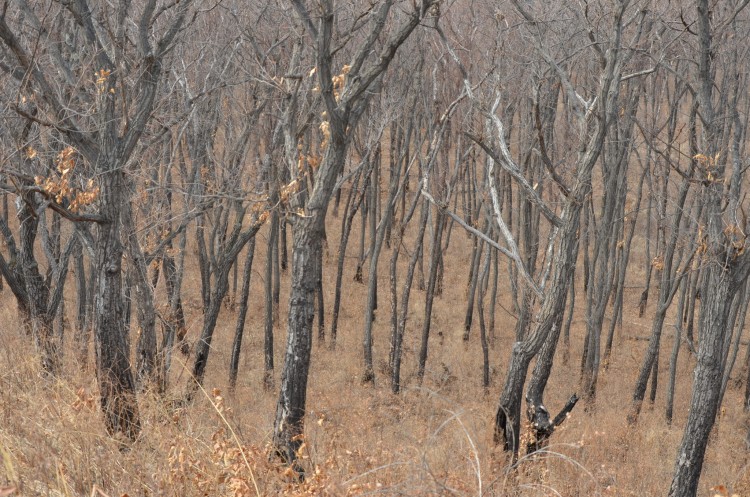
{"x":60,"y":187}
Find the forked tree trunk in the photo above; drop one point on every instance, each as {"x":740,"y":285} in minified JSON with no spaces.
{"x":394,"y":356}
{"x":309,"y":228}
{"x":507,"y":419}
{"x":224,"y":261}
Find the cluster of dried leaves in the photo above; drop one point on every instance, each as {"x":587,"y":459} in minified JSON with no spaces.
{"x":60,"y":187}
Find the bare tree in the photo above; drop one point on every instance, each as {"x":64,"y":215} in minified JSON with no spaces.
{"x":111,"y":116}
{"x":593,"y":115}
{"x":725,"y":260}
{"x":344,"y":105}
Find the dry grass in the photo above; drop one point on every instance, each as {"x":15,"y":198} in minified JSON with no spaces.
{"x":431,"y":440}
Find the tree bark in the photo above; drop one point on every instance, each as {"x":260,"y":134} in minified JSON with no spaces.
{"x":350,"y":210}
{"x":269,"y":321}
{"x":507,"y":419}
{"x":112,"y":346}
{"x":397,"y":336}
{"x":309,"y":228}
{"x":37,"y":290}
{"x":82,"y":332}
{"x":378,"y":233}
{"x":290,"y":411}
{"x":146,"y":354}
{"x":726,"y":269}
{"x":234,"y":364}
{"x":430,"y":295}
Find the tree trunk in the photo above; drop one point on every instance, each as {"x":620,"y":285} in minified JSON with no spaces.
{"x":742,"y":305}
{"x":493,"y":296}
{"x":507,"y":419}
{"x":307,"y":234}
{"x":718,"y":291}
{"x":482,"y":327}
{"x":174,"y":326}
{"x":343,"y":111}
{"x":37,"y":290}
{"x":350,"y":210}
{"x":82,"y":332}
{"x":472,"y":286}
{"x":397,"y":336}
{"x":630,"y":219}
{"x":112,"y":347}
{"x":378,"y":237}
{"x":203,"y":261}
{"x":269,"y":315}
{"x":673,"y":357}
{"x":234,"y":364}
{"x":224,"y":261}
{"x":430,"y":295}
{"x":726,"y":268}
{"x":145,"y":354}
{"x":210,"y":317}
{"x":277,"y":272}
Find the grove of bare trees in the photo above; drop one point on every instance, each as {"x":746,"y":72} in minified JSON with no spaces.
{"x":587,"y":151}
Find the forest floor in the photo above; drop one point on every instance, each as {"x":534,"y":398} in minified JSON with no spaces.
{"x":433,"y":439}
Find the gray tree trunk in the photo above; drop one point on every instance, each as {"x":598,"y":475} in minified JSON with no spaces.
{"x":726,"y":269}
{"x":269,"y":321}
{"x":145,"y":354}
{"x":507,"y":419}
{"x":397,"y":335}
{"x":112,"y":345}
{"x":430,"y":295}
{"x":377,"y":244}
{"x":234,"y":365}
{"x":309,"y":229}
{"x":350,"y":210}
